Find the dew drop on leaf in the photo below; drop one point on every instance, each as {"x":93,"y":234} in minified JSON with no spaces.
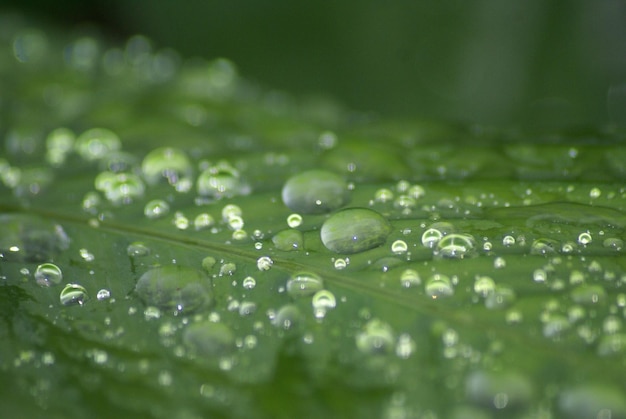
{"x":302,"y":284}
{"x":207,"y":339}
{"x":376,"y":338}
{"x":48,"y":274}
{"x":166,"y":163}
{"x":288,"y":240}
{"x":315,"y":192}
{"x":174,"y":287}
{"x":354,"y":230}
{"x":438,"y":286}
{"x":73,"y":294}
{"x":456,"y":246}
{"x":96,"y":143}
{"x":156,"y":208}
{"x":323,"y":301}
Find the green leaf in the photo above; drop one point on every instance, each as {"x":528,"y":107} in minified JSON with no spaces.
{"x":482,"y":274}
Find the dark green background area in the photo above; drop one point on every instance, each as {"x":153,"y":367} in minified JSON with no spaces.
{"x":533,"y":62}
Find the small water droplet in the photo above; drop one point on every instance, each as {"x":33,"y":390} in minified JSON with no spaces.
{"x":294,"y":220}
{"x":103,"y":294}
{"x":322,"y":302}
{"x":264,"y":263}
{"x":484,"y":285}
{"x":544,"y":246}
{"x":399,"y":247}
{"x":288,"y":240}
{"x":156,"y":208}
{"x":431,"y":237}
{"x":166,"y":163}
{"x":588,"y":294}
{"x":288,"y":317}
{"x":73,"y":294}
{"x":340,"y":264}
{"x":48,"y":274}
{"x":304,"y":284}
{"x":376,"y":338}
{"x":207,"y":339}
{"x":203,"y":220}
{"x":614,"y":243}
{"x":501,"y":297}
{"x":584,"y":238}
{"x":383,"y":195}
{"x":96,"y":143}
{"x":508,"y":241}
{"x":410,"y":278}
{"x":248,"y":283}
{"x":137,"y":249}
{"x":439,"y":285}
{"x":595,"y":193}
{"x":456,"y":246}
{"x":354,"y":230}
{"x":221,"y":180}
{"x":180,"y":221}
{"x":86,"y":255}
{"x":315,"y":192}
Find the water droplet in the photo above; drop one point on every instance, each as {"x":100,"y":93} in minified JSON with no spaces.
{"x":539,"y":275}
{"x":264,"y":263}
{"x":91,"y":201}
{"x":228,"y":268}
{"x":96,"y":143}
{"x":73,"y":294}
{"x":166,"y":163}
{"x":288,"y":240}
{"x":249,"y":283}
{"x":120,"y":188}
{"x":48,"y":274}
{"x":431,"y":237}
{"x":592,"y":401}
{"x":439,"y":286}
{"x":288,"y":317}
{"x":323,"y":301}
{"x":376,"y":338}
{"x":86,"y":255}
{"x":484,"y":285}
{"x":221,"y":180}
{"x":203,"y":221}
{"x":501,"y":297}
{"x":612,"y":345}
{"x":303,"y":284}
{"x":241,"y":235}
{"x":614,"y":243}
{"x":59,"y":144}
{"x":354,"y":230}
{"x":29,"y":238}
{"x":508,"y":241}
{"x":416,"y":191}
{"x":399,"y":247}
{"x":383,"y":195}
{"x":595,"y":193}
{"x":180,"y":221}
{"x":555,"y":324}
{"x":410,"y":278}
{"x":500,"y":390}
{"x":456,"y":246}
{"x":544,"y":246}
{"x":103,"y":294}
{"x":405,"y":347}
{"x":588,"y":294}
{"x":584,"y":238}
{"x":156,"y":208}
{"x":174,"y":287}
{"x":340,"y":263}
{"x":294,"y":220}
{"x":207,"y":339}
{"x":137,"y":249}
{"x":208,"y":263}
{"x":315,"y":192}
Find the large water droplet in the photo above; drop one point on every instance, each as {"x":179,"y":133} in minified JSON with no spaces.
{"x":288,"y":317}
{"x":304,"y":283}
{"x":48,"y":274}
{"x":166,"y":163}
{"x":174,"y":287}
{"x":354,"y":230}
{"x":315,"y":192}
{"x":207,"y":339}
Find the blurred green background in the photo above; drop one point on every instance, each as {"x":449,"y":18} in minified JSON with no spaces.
{"x":539,"y":63}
